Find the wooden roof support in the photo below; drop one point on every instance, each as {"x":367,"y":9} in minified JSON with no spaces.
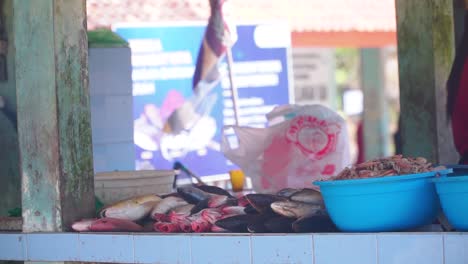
{"x":375,"y":115}
{"x":53,"y":113}
{"x":10,"y":181}
{"x":425,"y":50}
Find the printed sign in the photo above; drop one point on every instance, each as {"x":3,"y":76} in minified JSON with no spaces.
{"x":163,"y":63}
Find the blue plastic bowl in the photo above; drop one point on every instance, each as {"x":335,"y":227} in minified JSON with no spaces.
{"x":453,"y":195}
{"x":384,"y":204}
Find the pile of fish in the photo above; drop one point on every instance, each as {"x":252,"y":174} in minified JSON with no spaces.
{"x":390,"y":166}
{"x":203,"y":208}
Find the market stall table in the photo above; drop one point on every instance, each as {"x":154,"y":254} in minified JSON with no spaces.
{"x":427,"y":248}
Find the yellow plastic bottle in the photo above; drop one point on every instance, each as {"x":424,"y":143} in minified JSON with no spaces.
{"x":237,"y":180}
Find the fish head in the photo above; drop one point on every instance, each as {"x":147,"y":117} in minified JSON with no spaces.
{"x":128,"y":210}
{"x":192,"y":195}
{"x":285,"y":208}
{"x":83,"y":225}
{"x":287,"y":192}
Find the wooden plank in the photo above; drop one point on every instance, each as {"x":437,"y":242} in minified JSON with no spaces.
{"x":53,"y":113}
{"x":425,"y":50}
{"x":375,"y":120}
{"x":10,"y":187}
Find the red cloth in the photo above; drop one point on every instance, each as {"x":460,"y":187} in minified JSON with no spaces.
{"x":460,"y":115}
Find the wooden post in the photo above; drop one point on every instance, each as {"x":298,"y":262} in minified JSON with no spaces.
{"x":459,"y":9}
{"x":375,"y":120}
{"x":10,"y":181}
{"x":425,"y":52}
{"x":53,"y":113}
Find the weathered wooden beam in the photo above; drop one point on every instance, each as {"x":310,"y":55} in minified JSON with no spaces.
{"x":459,"y":10}
{"x":11,"y":223}
{"x":53,"y":113}
{"x":375,"y":120}
{"x":425,"y":51}
{"x":10,"y":181}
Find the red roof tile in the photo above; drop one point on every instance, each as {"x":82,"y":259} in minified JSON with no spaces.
{"x":302,"y":15}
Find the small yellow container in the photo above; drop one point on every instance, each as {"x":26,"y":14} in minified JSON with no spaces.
{"x":237,"y":180}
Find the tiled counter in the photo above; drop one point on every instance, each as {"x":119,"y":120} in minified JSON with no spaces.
{"x":383,"y":248}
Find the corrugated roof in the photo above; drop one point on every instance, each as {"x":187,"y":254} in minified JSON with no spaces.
{"x":302,"y":15}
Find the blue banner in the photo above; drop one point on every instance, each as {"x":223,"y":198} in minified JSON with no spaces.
{"x":163,"y":63}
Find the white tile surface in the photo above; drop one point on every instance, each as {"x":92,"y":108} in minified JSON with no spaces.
{"x":401,"y":248}
{"x":456,"y":248}
{"x":220,"y":249}
{"x":410,"y":249}
{"x":12,"y":246}
{"x":106,"y":248}
{"x":162,"y":249}
{"x":270,"y":249}
{"x":52,"y":247}
{"x":344,"y":248}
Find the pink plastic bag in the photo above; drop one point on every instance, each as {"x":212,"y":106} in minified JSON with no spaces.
{"x":301,"y":145}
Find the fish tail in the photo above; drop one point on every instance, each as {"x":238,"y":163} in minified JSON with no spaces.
{"x":218,"y":229}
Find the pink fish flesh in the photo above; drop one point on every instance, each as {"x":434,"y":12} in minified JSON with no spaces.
{"x":185,"y":226}
{"x":211,"y":215}
{"x":161,"y":217}
{"x":242,"y":201}
{"x":109,"y":224}
{"x":174,"y":217}
{"x":166,"y":227}
{"x":201,"y":226}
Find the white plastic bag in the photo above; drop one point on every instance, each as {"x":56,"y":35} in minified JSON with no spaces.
{"x":301,"y":145}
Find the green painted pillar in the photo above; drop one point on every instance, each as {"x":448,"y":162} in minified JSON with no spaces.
{"x":54,"y":125}
{"x":10,"y":187}
{"x":425,"y":51}
{"x":375,"y":118}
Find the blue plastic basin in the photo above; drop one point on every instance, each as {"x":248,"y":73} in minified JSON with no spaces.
{"x":392,"y":203}
{"x":453,"y":195}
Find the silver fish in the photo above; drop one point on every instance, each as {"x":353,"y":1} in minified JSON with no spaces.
{"x":133,"y":209}
{"x":295,"y":209}
{"x":183,"y":209}
{"x":307,"y":196}
{"x":287,"y":192}
{"x":167,"y":204}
